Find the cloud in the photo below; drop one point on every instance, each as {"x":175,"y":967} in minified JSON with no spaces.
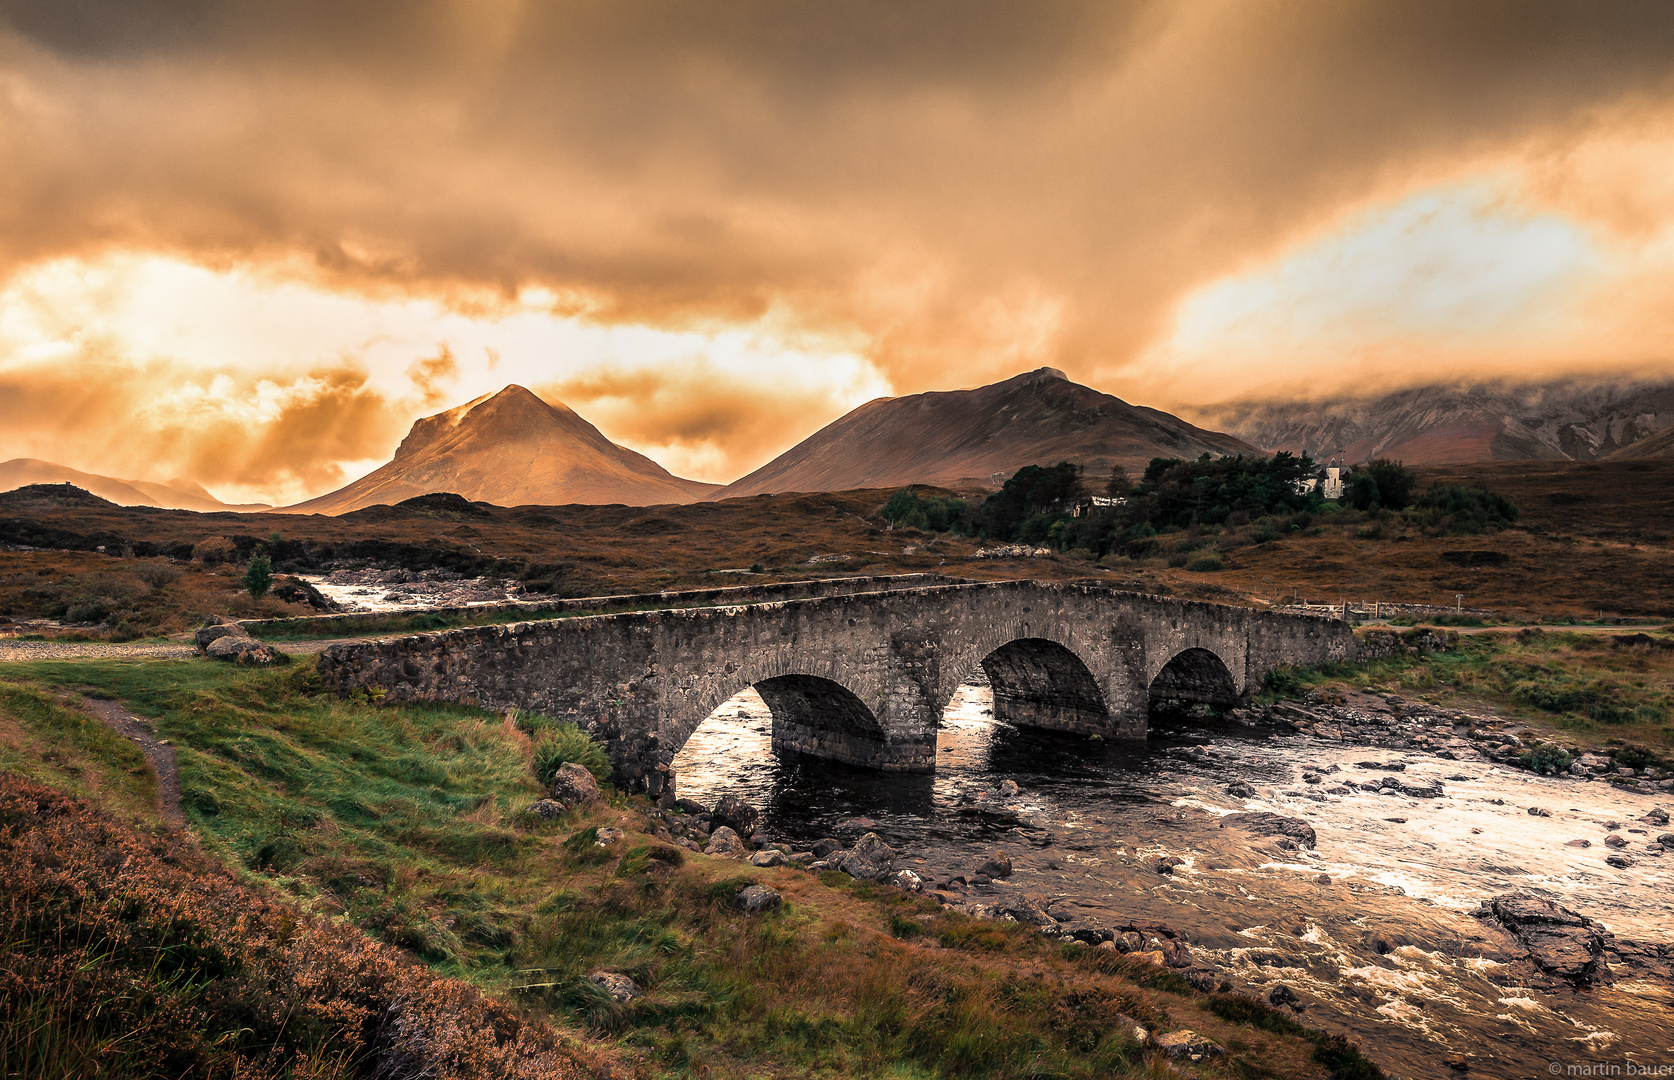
{"x":946,"y":192}
{"x":712,"y":421}
{"x":243,"y":438}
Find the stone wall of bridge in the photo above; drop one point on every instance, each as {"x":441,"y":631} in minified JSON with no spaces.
{"x":861,"y":678}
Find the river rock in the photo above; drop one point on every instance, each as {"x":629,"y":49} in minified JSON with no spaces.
{"x":618,"y":986}
{"x":1616,"y":841}
{"x":1657,"y":816}
{"x":1129,"y":942}
{"x":1578,"y":843}
{"x":1539,"y":811}
{"x":1189,"y":1045}
{"x":736,"y":814}
{"x":825,"y":847}
{"x":854,"y":826}
{"x":1561,"y":943}
{"x":1262,"y":823}
{"x":1240,"y":789}
{"x":768,"y":858}
{"x":724,"y":844}
{"x":997,"y":865}
{"x":755,"y":899}
{"x":1430,"y":790}
{"x":1620,"y":862}
{"x":1008,"y":789}
{"x":573,"y":785}
{"x":1385,"y":766}
{"x":870,"y":859}
{"x":1666,"y":840}
{"x":1029,"y":908}
{"x":906,"y":881}
{"x":1284,"y":996}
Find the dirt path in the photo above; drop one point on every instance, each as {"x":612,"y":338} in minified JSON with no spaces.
{"x":27,"y":651}
{"x":158,"y":754}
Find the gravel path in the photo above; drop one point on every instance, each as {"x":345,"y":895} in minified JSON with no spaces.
{"x":26,"y":651}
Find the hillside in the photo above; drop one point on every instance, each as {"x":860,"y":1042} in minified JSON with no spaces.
{"x":174,"y":495}
{"x":511,"y":449}
{"x":981,"y":436}
{"x":1659,"y":445}
{"x":1567,"y":420}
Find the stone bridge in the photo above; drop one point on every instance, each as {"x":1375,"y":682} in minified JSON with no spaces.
{"x":860,"y":678}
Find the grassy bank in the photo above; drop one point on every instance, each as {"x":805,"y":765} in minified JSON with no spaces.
{"x":1592,"y":689}
{"x":406,"y":824}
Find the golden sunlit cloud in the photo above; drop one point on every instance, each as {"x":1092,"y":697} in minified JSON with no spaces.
{"x":717,"y":225}
{"x":272,"y":391}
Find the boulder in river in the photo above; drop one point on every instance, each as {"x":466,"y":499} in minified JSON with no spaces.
{"x":1561,"y":944}
{"x":1240,"y":789}
{"x":736,"y":814}
{"x":825,"y":847}
{"x":1262,"y":823}
{"x":997,"y":865}
{"x":870,"y":859}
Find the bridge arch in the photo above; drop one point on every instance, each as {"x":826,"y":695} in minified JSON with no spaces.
{"x":1038,"y":682}
{"x":1195,"y":675}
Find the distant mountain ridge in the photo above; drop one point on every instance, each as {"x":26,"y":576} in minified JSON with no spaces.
{"x":1562,"y":420}
{"x":174,"y":495}
{"x":954,"y":436}
{"x":511,"y":448}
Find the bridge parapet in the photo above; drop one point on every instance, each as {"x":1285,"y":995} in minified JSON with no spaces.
{"x":861,"y":677}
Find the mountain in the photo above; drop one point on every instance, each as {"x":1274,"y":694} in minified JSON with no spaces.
{"x":174,"y":495}
{"x":1566,"y":420}
{"x":511,"y":449}
{"x":1660,"y":445}
{"x":981,"y":435}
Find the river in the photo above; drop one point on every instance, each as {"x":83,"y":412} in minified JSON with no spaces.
{"x":1372,"y":931}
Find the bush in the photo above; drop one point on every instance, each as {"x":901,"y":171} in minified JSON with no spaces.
{"x":557,"y":743}
{"x":1454,"y":508}
{"x":1547,"y":760}
{"x":258,"y":576}
{"x":1205,"y":564}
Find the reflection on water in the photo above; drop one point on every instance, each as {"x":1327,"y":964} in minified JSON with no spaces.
{"x":1382,"y":952}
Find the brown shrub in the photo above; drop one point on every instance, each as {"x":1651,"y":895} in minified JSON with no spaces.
{"x":134,"y":955}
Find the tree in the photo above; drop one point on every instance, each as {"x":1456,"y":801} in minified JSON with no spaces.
{"x":258,"y":576}
{"x":1395,"y":483}
{"x":1365,"y":492}
{"x":1119,"y":483}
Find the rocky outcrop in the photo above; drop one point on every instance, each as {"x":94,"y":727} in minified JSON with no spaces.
{"x":1276,"y":826}
{"x":1560,"y":944}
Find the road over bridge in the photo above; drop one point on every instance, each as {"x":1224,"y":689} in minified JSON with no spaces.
{"x":861,"y":678}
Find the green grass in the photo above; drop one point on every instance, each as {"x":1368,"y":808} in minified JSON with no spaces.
{"x":45,"y":739}
{"x":1577,"y":682}
{"x":406,"y":822}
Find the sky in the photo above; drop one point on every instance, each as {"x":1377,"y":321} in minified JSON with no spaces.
{"x":248,"y":244}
